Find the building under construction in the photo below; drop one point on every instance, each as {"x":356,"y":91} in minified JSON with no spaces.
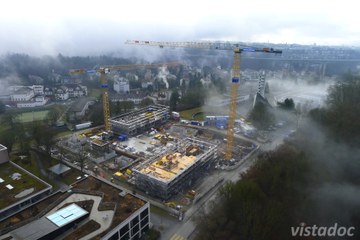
{"x":175,"y":169}
{"x":140,"y":120}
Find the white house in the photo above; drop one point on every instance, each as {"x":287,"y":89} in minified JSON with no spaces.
{"x":34,"y":102}
{"x":146,"y":84}
{"x":48,"y":91}
{"x":22,"y":94}
{"x":76,"y":90}
{"x":61,"y":93}
{"x":121,"y":85}
{"x":38,"y":89}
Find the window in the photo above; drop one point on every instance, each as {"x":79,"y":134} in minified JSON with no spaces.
{"x":115,"y":236}
{"x":125,"y":237}
{"x":144,"y":213}
{"x":144,"y":221}
{"x":135,"y":229}
{"x":144,"y":229}
{"x":134,"y":221}
{"x":136,"y":237}
{"x":124,"y":229}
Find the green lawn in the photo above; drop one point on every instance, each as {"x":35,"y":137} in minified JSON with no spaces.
{"x":63,"y":134}
{"x":95,"y":93}
{"x":29,"y":164}
{"x":187,"y":114}
{"x":158,"y":211}
{"x":71,"y":177}
{"x":32,"y":116}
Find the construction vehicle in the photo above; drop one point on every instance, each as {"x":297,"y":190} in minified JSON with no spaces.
{"x":237,"y":48}
{"x":104,"y":83}
{"x":170,"y":204}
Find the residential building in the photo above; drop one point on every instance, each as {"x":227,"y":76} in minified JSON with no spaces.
{"x":22,"y":94}
{"x":76,"y":90}
{"x":146,"y":84}
{"x":34,"y":102}
{"x":38,"y":89}
{"x":61,"y":93}
{"x":121,"y":85}
{"x":48,"y":91}
{"x":79,"y":108}
{"x":67,"y":91}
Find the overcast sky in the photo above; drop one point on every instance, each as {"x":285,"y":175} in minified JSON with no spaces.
{"x":87,"y":27}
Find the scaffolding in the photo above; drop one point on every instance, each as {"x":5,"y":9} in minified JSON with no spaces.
{"x":140,"y":120}
{"x":174,"y":169}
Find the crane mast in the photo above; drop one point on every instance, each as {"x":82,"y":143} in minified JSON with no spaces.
{"x":235,"y":82}
{"x":104,"y":82}
{"x":237,"y":48}
{"x":105,"y":100}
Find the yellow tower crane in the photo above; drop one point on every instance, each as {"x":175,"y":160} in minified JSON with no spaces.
{"x":104,"y":83}
{"x":237,"y":48}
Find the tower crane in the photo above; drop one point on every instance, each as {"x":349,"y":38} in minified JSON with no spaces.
{"x":237,"y":48}
{"x":104,"y":83}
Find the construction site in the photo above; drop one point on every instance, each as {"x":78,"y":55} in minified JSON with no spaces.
{"x":175,"y":169}
{"x":140,"y":120}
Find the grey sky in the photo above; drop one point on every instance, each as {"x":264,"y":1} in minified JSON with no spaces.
{"x":82,"y":27}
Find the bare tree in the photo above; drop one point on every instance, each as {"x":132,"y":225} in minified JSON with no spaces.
{"x":81,"y":157}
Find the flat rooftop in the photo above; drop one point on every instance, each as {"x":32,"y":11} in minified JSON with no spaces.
{"x":99,"y":142}
{"x":61,"y":210}
{"x":154,"y":112}
{"x":16,"y":184}
{"x":169,"y":166}
{"x":45,"y":225}
{"x":129,"y":203}
{"x":175,"y":160}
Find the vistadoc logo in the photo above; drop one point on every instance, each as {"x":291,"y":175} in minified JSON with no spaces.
{"x":321,"y":231}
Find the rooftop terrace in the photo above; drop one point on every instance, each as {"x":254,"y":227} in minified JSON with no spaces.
{"x":16,"y":184}
{"x":112,"y":199}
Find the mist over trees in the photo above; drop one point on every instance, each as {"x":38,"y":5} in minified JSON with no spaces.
{"x":342,"y":116}
{"x":287,"y":104}
{"x":24,"y":65}
{"x":262,"y":115}
{"x":312,"y":178}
